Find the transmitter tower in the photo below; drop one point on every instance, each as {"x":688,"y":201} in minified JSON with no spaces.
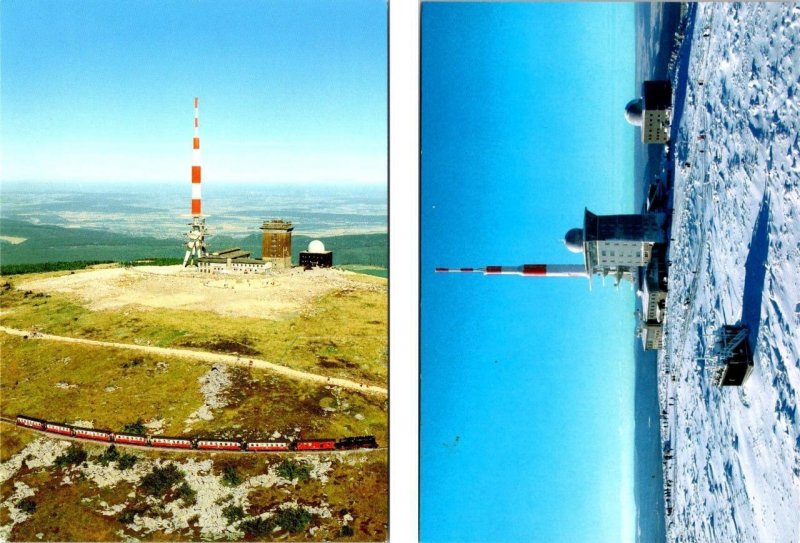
{"x":196,"y":236}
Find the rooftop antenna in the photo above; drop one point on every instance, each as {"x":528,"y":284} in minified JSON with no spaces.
{"x":526,"y":270}
{"x":615,"y":245}
{"x":196,"y":237}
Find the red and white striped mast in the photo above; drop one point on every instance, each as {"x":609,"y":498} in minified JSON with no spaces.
{"x":526,"y":270}
{"x":196,"y":237}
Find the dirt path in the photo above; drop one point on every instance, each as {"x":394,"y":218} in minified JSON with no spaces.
{"x":209,"y":357}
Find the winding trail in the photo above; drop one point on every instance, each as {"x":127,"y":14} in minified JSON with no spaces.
{"x":206,"y":356}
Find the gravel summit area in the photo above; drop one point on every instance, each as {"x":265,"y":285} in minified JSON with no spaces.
{"x":275,"y":295}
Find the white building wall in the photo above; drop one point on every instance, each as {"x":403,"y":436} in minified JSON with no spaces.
{"x":623,"y":253}
{"x":655,"y":126}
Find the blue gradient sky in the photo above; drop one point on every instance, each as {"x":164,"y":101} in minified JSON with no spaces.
{"x":526,"y":384}
{"x":292,"y":90}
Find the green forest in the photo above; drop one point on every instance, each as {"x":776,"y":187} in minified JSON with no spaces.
{"x":50,"y":248}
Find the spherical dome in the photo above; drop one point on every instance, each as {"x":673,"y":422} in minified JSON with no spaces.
{"x":574,"y":240}
{"x":316,"y":246}
{"x":633,"y":112}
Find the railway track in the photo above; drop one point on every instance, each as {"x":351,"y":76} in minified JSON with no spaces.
{"x":206,"y":356}
{"x":12,"y":421}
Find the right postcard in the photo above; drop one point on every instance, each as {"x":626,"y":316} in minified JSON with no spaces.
{"x":610,"y":294}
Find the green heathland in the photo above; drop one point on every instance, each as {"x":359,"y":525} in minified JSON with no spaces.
{"x":345,"y":335}
{"x":114,"y":388}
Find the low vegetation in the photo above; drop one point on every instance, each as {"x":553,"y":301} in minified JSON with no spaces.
{"x":126,"y":461}
{"x":230,"y":476}
{"x":136,"y":428}
{"x":233,"y":513}
{"x":292,"y":520}
{"x":291,"y":470}
{"x":186,"y":493}
{"x":109,"y":455}
{"x":161,"y":479}
{"x":72,"y":456}
{"x":26,"y":505}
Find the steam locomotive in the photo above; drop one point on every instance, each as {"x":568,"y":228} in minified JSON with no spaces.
{"x":164,"y":442}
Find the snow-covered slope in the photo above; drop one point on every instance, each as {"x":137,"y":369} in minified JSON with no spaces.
{"x":734,"y":473}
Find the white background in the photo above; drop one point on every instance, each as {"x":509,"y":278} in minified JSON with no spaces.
{"x":403,"y":268}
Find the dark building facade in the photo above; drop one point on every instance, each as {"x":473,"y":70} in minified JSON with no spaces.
{"x":276,"y":243}
{"x":316,"y":260}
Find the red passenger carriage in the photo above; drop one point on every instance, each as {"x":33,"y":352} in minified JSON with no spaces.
{"x":266,"y":446}
{"x":90,"y":433}
{"x":131,"y":439}
{"x":171,"y":442}
{"x":218,"y":444}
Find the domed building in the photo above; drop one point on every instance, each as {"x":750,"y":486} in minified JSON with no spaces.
{"x":616,"y":245}
{"x":633,"y":112}
{"x":316,"y":256}
{"x":652,"y":111}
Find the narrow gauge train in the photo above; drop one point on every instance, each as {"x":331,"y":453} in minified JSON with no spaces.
{"x":164,"y":442}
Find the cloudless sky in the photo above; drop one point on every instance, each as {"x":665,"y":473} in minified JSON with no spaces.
{"x":527,"y":384}
{"x":292,"y":90}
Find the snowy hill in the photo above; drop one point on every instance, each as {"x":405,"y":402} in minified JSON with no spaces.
{"x":734,"y":473}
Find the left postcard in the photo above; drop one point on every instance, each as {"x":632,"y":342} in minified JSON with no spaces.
{"x":194,"y":260}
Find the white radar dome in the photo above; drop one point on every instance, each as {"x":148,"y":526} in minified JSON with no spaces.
{"x":633,"y":112}
{"x":316,"y":246}
{"x":574,"y":240}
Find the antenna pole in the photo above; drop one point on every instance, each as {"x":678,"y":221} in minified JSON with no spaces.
{"x":526,"y":270}
{"x":196,"y":237}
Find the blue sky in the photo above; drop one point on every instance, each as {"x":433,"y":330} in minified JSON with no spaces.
{"x":526,"y":384}
{"x":289,"y":91}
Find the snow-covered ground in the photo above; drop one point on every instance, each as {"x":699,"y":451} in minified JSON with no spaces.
{"x":735,"y":473}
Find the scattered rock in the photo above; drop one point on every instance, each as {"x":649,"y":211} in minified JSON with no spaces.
{"x":214,"y":385}
{"x":40,"y":453}
{"x":83,"y":423}
{"x":155,"y":426}
{"x":15,"y":515}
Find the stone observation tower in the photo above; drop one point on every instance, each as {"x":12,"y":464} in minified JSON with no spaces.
{"x":276,"y":243}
